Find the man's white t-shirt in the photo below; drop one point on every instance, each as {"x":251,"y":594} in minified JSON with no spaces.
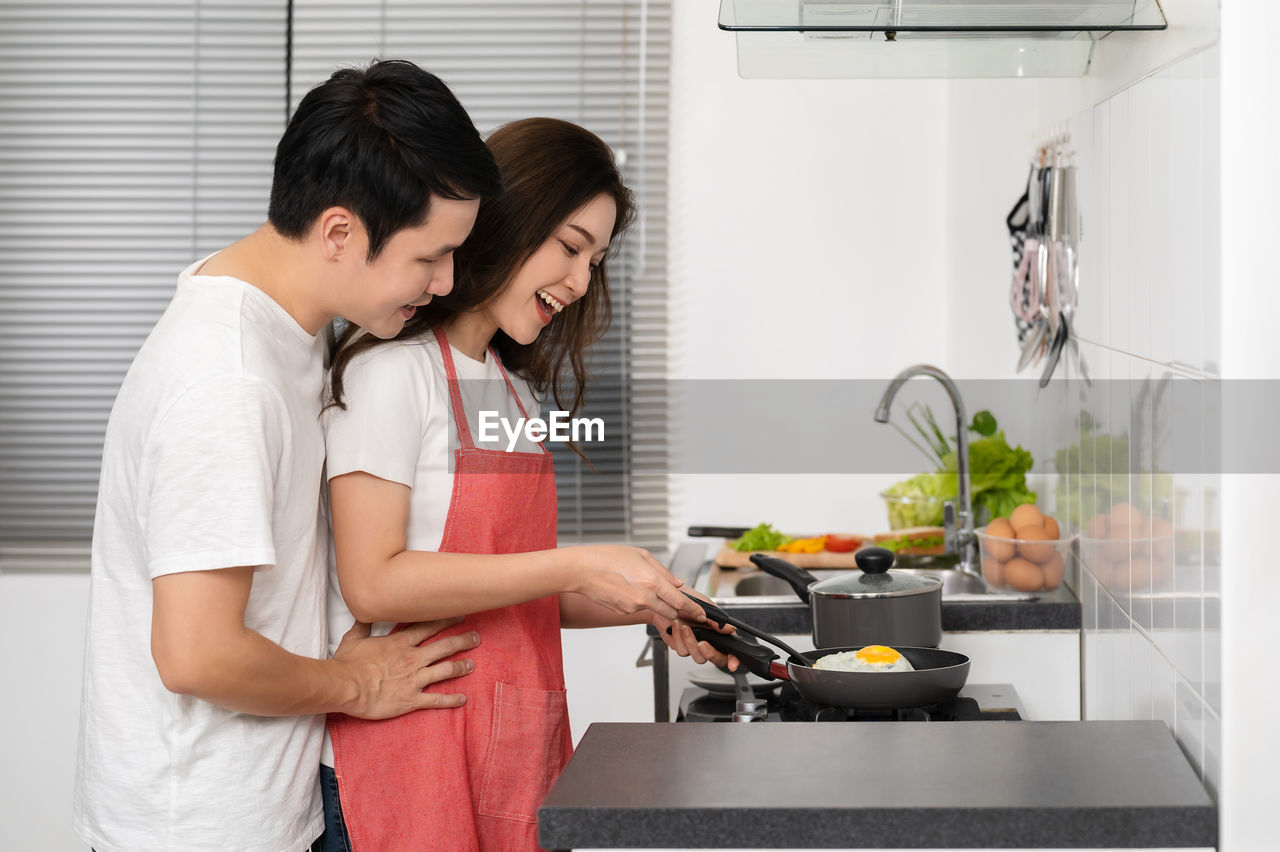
{"x":398,"y":426}
{"x":213,"y":459}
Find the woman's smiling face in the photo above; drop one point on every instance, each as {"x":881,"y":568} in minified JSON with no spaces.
{"x":556,"y":275}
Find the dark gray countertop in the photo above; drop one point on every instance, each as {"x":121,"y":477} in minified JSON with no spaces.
{"x":878,"y":785}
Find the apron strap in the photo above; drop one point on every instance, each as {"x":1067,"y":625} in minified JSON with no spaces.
{"x":455,"y":392}
{"x":501,"y":369}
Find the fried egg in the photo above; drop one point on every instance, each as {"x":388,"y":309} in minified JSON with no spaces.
{"x":872,"y":658}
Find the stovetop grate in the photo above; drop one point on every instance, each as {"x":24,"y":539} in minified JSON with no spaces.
{"x":976,"y":702}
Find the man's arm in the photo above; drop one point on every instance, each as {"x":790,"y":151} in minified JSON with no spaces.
{"x":202,"y":648}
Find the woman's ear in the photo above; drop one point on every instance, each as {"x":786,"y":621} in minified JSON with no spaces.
{"x":336,"y":232}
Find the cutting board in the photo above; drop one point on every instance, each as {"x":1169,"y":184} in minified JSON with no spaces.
{"x":727,"y":557}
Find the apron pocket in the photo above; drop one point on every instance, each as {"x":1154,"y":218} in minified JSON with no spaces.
{"x":527,"y":749}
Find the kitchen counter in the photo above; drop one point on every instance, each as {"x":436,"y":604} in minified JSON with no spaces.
{"x":1056,"y":610}
{"x":878,"y":785}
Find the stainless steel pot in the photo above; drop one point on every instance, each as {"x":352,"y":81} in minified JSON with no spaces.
{"x":873,"y":606}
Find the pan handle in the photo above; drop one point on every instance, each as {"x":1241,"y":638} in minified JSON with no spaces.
{"x":757,"y":658}
{"x":717,"y":532}
{"x":799,"y":578}
{"x":716,"y":615}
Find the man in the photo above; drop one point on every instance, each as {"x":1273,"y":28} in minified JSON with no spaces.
{"x":205,"y":680}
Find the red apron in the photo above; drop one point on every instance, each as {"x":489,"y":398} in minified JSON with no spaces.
{"x":471,"y":779}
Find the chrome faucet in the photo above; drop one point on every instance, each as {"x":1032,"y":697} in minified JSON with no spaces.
{"x":959,"y":520}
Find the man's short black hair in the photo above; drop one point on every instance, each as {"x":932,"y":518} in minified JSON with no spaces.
{"x":380,"y":141}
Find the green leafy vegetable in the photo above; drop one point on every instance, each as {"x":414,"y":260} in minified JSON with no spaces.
{"x":923,"y":496}
{"x":761,"y":537}
{"x":935,"y":444}
{"x":997,"y":475}
{"x":984,"y":423}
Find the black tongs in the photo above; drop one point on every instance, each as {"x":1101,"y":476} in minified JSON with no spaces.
{"x":757,"y":658}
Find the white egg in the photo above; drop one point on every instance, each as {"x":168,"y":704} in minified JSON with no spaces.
{"x":872,"y":658}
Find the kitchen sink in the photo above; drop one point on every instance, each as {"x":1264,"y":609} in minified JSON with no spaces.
{"x":755,"y":588}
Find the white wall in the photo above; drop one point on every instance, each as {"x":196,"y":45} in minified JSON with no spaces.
{"x":1250,"y":176}
{"x":992,"y":129}
{"x":807,"y":220}
{"x":1149,"y":166}
{"x":1175,"y":182}
{"x":42,"y":621}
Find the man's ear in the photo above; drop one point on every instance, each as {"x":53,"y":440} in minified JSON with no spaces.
{"x":336,"y":231}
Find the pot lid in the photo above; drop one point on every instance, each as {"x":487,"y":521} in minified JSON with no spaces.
{"x":875,"y":580}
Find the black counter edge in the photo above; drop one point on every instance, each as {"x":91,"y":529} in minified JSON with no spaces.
{"x":957,"y":617}
{"x":944,"y":828}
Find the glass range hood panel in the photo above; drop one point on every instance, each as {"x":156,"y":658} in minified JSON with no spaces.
{"x":774,"y":55}
{"x":817,"y":17}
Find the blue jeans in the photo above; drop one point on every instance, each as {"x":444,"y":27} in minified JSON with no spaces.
{"x":335,"y":837}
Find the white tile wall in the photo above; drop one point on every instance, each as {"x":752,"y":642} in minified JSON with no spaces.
{"x":1149,"y":309}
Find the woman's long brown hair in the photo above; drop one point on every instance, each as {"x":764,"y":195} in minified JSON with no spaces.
{"x":551,"y":169}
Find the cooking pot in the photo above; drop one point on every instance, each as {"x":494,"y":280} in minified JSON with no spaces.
{"x":872,"y":606}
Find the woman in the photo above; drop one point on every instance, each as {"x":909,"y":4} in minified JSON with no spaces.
{"x":414,"y":501}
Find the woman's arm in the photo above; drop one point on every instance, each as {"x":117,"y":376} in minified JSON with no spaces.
{"x":578,"y":611}
{"x":383,"y":581}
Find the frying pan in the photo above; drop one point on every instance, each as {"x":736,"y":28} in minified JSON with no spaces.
{"x":938,"y":676}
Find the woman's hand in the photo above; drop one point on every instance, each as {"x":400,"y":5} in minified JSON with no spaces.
{"x":679,"y":637}
{"x":629,"y":581}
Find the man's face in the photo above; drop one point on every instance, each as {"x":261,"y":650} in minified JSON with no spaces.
{"x":413,"y":266}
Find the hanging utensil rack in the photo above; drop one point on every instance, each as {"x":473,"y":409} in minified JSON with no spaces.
{"x":1045,"y":228}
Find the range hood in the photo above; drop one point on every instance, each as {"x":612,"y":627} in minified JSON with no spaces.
{"x":927,"y":38}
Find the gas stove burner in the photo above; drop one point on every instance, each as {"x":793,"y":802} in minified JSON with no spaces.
{"x":975,"y":703}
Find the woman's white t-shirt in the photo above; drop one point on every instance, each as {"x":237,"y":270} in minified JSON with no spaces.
{"x":397,"y":425}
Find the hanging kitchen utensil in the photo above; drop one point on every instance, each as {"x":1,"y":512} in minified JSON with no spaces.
{"x":1025,"y":298}
{"x":1045,"y":286}
{"x":1017,"y":221}
{"x":1068,"y":227}
{"x":1051,"y":303}
{"x":872,"y":606}
{"x":1037,"y":265}
{"x":1070,"y":277}
{"x":1033,"y":345}
{"x":1024,"y":295}
{"x":1063,"y":289}
{"x":1055,"y":351}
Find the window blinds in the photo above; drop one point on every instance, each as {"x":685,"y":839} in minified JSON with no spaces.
{"x":603,"y":65}
{"x":134,"y":138}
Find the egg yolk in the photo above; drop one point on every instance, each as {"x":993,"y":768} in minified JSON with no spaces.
{"x":879,"y":654}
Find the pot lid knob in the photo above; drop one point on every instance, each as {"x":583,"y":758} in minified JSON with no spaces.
{"x":874,"y":560}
